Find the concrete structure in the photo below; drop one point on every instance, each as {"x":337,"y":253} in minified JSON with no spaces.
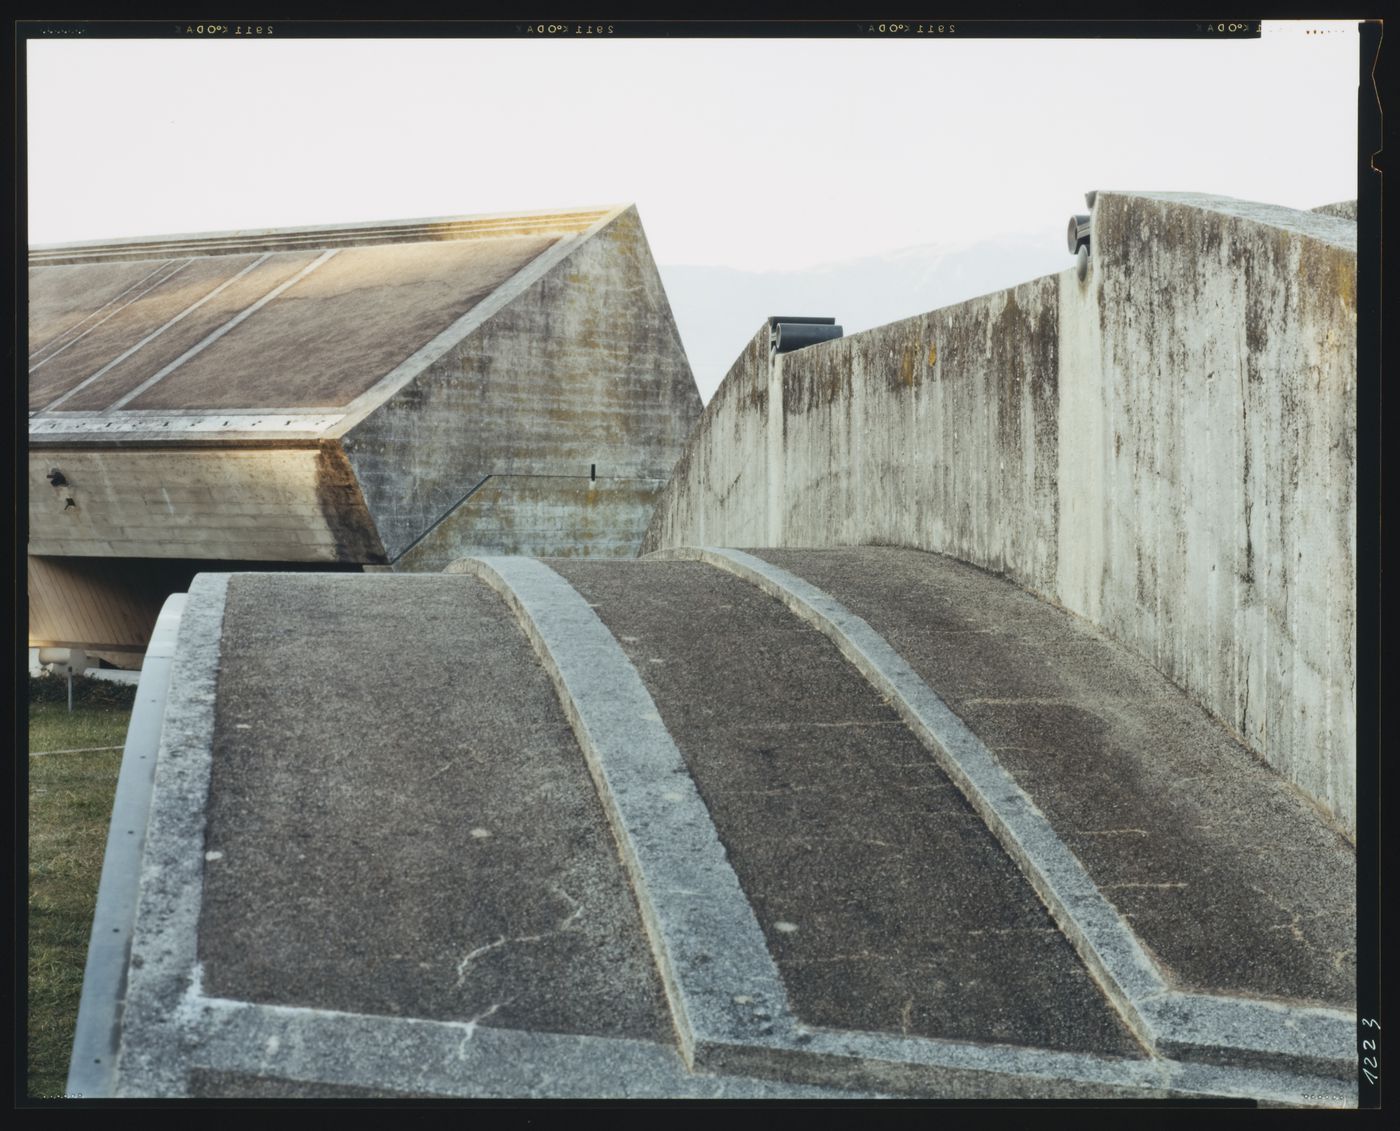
{"x":1165,"y":448}
{"x":677,"y":837}
{"x":1344,"y":209}
{"x":856,"y":820}
{"x":388,"y":395}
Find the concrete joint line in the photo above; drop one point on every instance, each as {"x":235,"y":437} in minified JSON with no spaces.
{"x":961,"y":1068}
{"x":722,"y":984}
{"x":210,"y":339}
{"x":78,"y":388}
{"x":1168,"y":1022}
{"x":115,"y":311}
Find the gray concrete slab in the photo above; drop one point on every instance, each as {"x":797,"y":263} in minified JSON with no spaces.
{"x":883,"y":898}
{"x":1239,"y":1032}
{"x":1229,"y":877}
{"x":720,"y":980}
{"x":413,"y":833}
{"x":276,"y":1052}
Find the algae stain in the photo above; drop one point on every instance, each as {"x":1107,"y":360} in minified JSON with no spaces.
{"x":906,"y":367}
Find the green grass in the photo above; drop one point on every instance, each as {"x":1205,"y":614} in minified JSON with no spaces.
{"x":70,"y":805}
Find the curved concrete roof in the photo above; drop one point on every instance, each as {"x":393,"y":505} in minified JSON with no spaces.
{"x":860,"y":821}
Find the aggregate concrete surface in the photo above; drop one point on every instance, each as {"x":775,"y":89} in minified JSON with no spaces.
{"x":1234,"y":881}
{"x":113,"y":330}
{"x":436,"y":854}
{"x":884,"y":900}
{"x":646,"y":829}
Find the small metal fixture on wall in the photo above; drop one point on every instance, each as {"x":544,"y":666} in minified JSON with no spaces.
{"x":787,"y":333}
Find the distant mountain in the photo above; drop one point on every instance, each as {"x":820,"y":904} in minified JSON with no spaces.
{"x":717,"y":309}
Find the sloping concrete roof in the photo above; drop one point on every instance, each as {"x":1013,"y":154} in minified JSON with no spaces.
{"x":308,"y":321}
{"x":864,"y":821}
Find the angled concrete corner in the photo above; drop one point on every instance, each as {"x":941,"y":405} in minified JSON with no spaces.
{"x":721,"y":482}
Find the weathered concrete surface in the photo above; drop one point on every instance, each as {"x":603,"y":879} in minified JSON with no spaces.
{"x":540,"y":516}
{"x":724,"y":465}
{"x":1165,"y":448}
{"x":1343,"y":209}
{"x":65,"y":301}
{"x":1241,"y":1032}
{"x":292,"y":504}
{"x":445,"y":859}
{"x":1230,"y":878}
{"x":371,"y":307}
{"x":114,"y":332}
{"x":1227,"y":488}
{"x":241,"y":282}
{"x":581,"y":373}
{"x":398,"y":881}
{"x":884,"y":900}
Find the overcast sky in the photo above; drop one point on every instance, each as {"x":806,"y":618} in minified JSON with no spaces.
{"x":753,"y":154}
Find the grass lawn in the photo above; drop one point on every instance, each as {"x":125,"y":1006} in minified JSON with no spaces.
{"x":70,"y":804}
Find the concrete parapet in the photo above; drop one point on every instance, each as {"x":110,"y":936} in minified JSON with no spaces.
{"x":1165,"y":447}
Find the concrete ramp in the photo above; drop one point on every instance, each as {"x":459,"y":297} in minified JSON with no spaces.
{"x":845,"y":823}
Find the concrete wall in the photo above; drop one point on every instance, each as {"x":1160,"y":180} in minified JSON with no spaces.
{"x":583,"y":374}
{"x":1165,"y":448}
{"x":547,"y":516}
{"x":724,"y":469}
{"x":292,"y":504}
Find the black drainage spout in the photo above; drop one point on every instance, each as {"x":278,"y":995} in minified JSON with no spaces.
{"x":787,"y":334}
